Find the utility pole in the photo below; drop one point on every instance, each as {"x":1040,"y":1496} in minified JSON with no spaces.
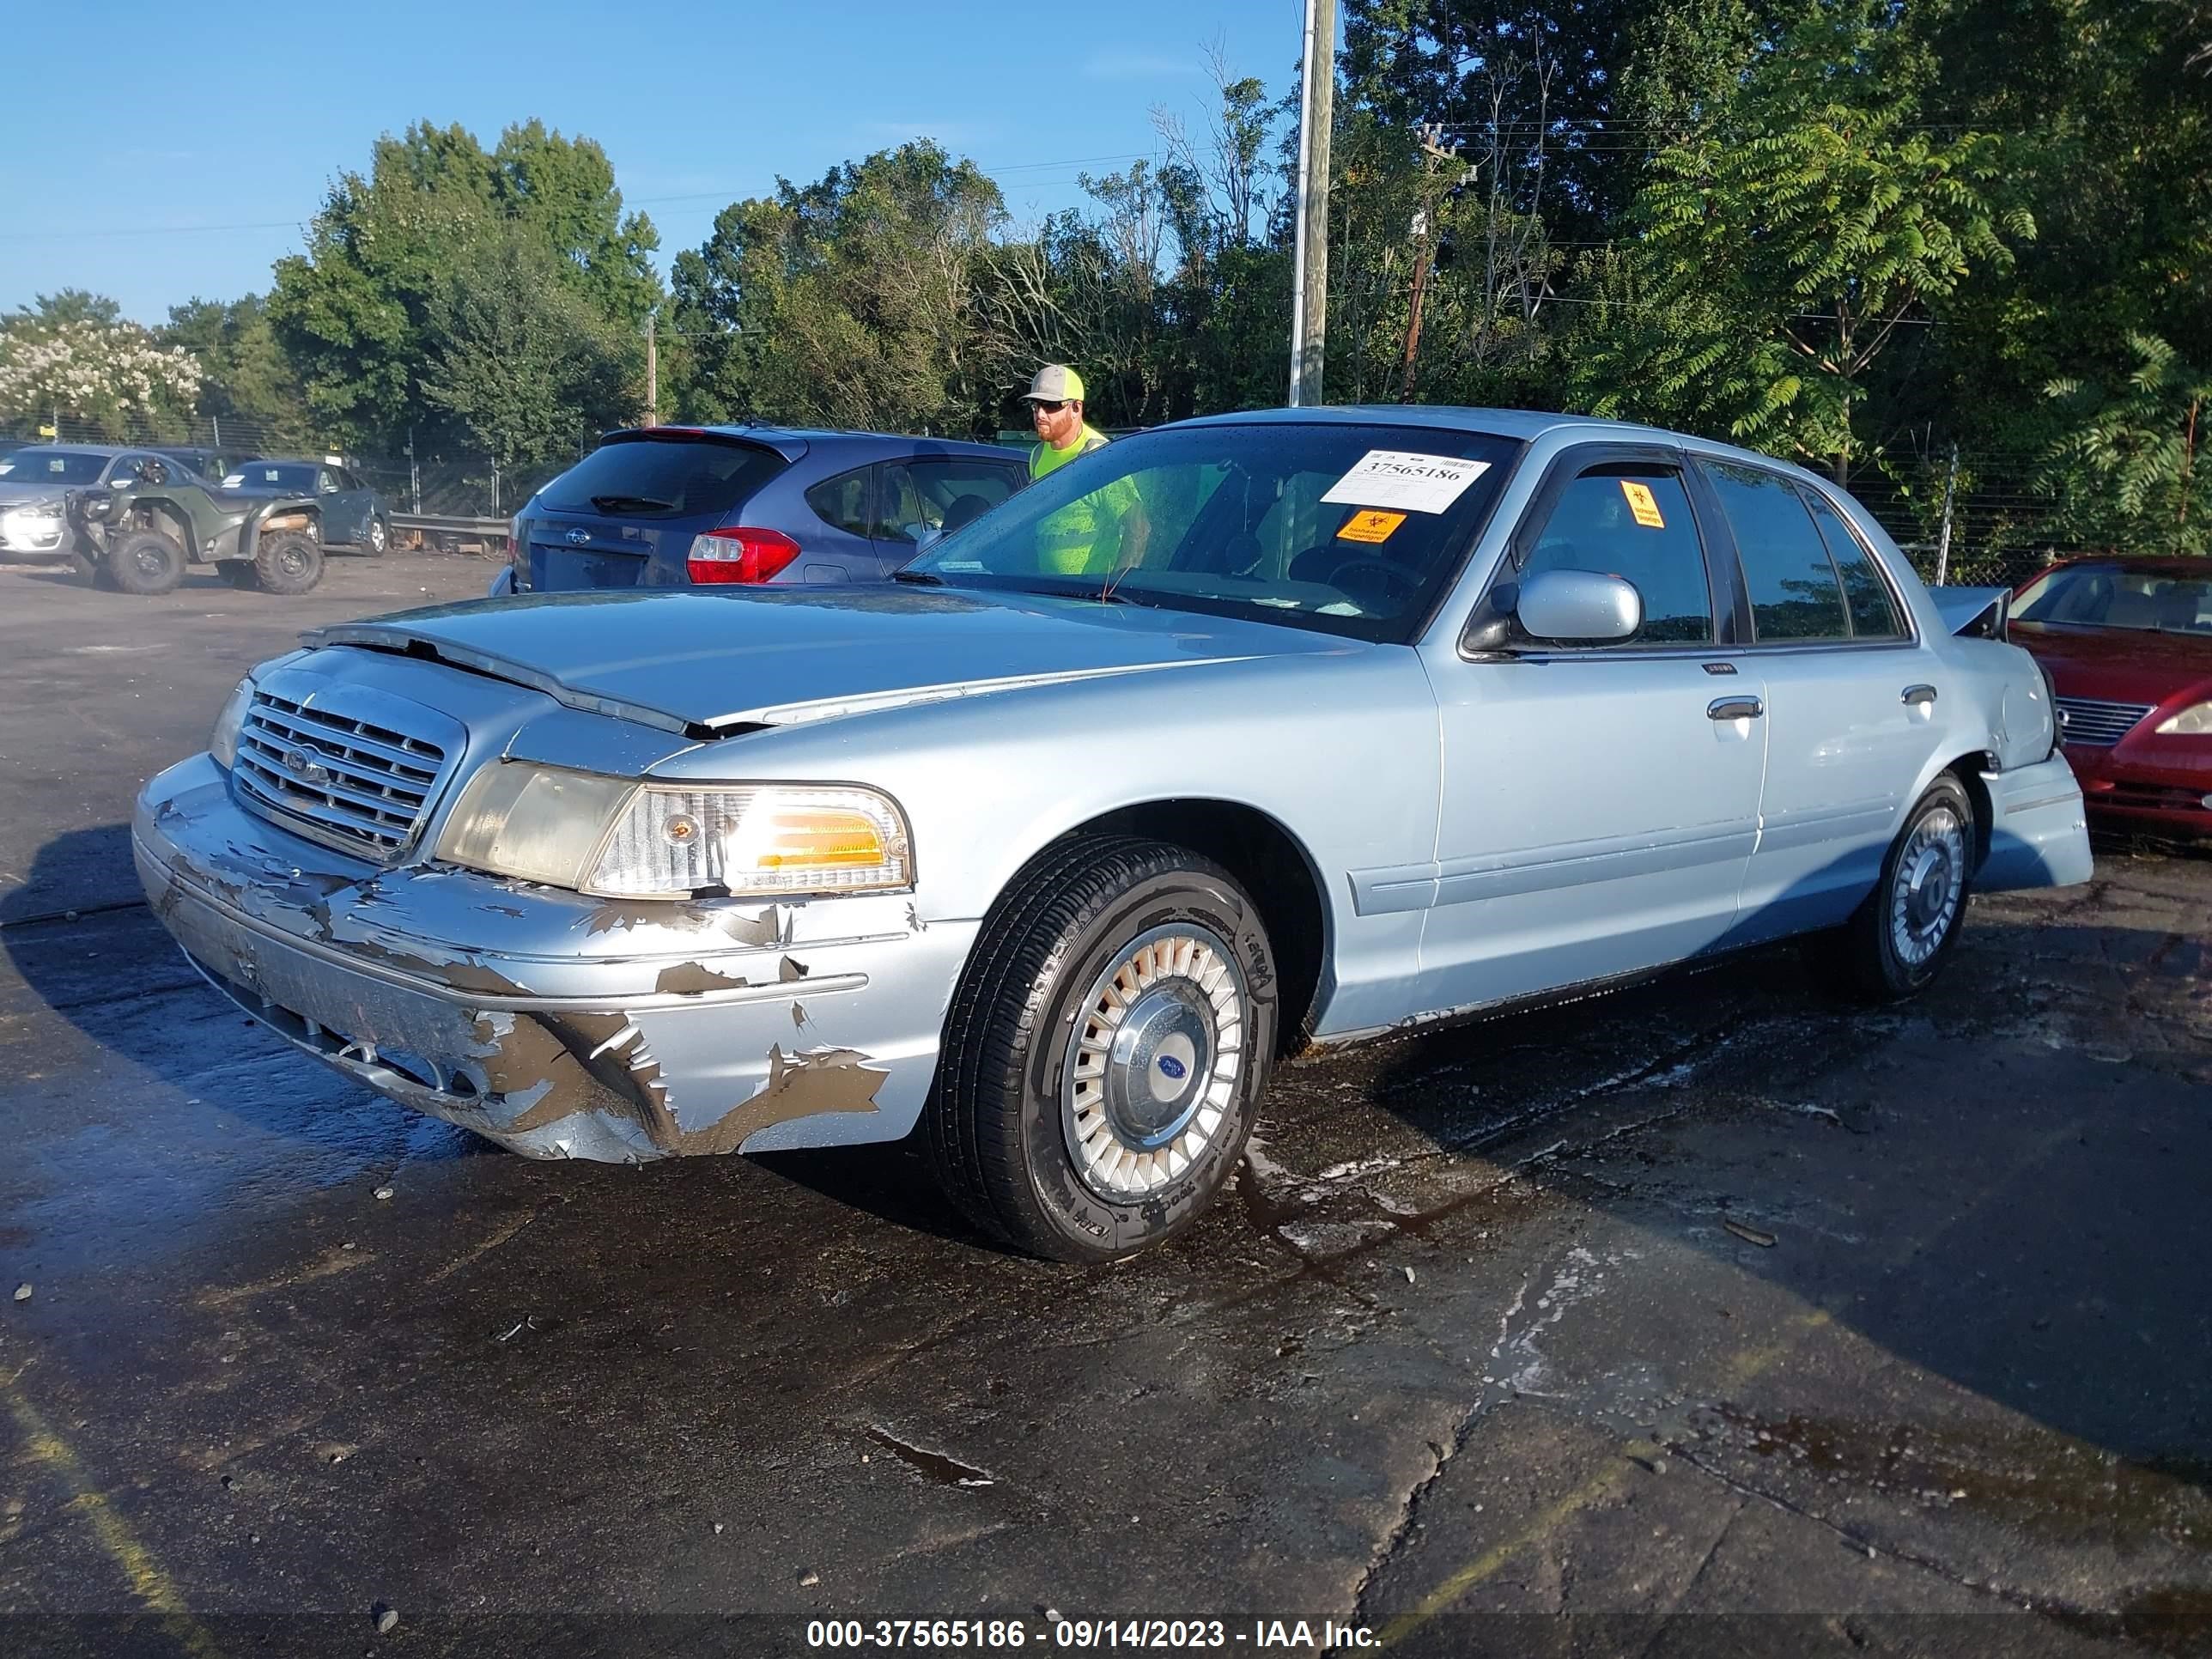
{"x":1432,"y":149}
{"x":652,"y":373}
{"x":1310,"y":279}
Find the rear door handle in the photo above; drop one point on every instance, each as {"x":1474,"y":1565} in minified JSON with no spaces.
{"x":1735,"y":708}
{"x":1919,"y":694}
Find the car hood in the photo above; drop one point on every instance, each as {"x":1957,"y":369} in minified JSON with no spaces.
{"x":15,"y":495}
{"x":783,"y":656}
{"x":2120,"y":665}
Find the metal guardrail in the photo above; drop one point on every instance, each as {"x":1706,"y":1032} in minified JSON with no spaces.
{"x":443,"y":533}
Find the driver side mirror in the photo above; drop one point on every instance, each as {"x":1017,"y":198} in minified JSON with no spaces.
{"x":1566,"y":607}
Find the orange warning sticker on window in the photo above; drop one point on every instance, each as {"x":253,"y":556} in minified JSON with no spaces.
{"x":1369,"y":526}
{"x":1642,"y":503}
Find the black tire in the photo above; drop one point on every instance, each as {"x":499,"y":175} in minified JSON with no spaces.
{"x":1865,"y":958}
{"x":289,"y":562}
{"x":145,"y":563}
{"x":379,"y":538}
{"x":240,"y":574}
{"x":1005,"y":1111}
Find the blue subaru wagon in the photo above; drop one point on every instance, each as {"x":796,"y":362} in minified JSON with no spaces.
{"x":680,"y":506}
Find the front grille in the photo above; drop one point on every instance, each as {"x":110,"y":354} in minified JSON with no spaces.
{"x":347,"y":783}
{"x":2093,"y":724}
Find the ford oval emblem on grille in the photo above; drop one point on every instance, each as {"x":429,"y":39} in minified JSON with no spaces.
{"x":578,"y":537}
{"x":305,"y":767}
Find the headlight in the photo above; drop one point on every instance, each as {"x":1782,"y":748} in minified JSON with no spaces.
{"x":2194,"y":722}
{"x":223,"y":742}
{"x":40,"y":510}
{"x":619,"y":838}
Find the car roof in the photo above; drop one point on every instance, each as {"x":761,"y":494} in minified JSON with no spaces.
{"x":1524,"y":425}
{"x":792,"y":441}
{"x":95,"y":449}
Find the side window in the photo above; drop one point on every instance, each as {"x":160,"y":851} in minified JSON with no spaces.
{"x":920,"y":497}
{"x":1794,"y":594}
{"x":326,"y":481}
{"x":1633,"y":521}
{"x":1874,"y":612}
{"x":841,"y":502}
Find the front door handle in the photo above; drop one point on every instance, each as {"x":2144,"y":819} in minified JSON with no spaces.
{"x":1919,"y":694}
{"x":1735,"y":708}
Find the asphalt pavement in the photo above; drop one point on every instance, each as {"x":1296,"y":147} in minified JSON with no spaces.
{"x":1709,"y":1317}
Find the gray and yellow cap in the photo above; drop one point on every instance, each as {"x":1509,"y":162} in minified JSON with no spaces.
{"x":1056,"y":383}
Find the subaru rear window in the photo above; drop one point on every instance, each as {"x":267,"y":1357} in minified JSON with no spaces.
{"x":663,"y":478}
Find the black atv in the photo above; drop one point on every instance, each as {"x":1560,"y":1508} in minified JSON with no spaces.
{"x":141,"y":532}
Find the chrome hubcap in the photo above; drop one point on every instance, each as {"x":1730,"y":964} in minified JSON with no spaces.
{"x":1925,"y":895}
{"x":1158,"y":1054}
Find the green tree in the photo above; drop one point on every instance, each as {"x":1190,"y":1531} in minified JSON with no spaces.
{"x":2128,"y":471}
{"x":857,"y":301}
{"x":1782,"y":246}
{"x":247,"y":381}
{"x":357,"y":314}
{"x":526,"y":361}
{"x":2109,"y":147}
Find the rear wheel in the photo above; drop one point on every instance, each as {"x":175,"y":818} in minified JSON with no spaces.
{"x":1901,"y":936}
{"x":145,"y":563}
{"x":1106,"y":1050}
{"x":289,"y":562}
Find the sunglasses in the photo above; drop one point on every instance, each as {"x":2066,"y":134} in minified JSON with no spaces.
{"x":1044,"y":407}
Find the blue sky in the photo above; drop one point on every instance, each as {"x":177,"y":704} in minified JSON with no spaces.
{"x":213,"y":141}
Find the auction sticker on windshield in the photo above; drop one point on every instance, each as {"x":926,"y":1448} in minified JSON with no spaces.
{"x":1399,"y":478}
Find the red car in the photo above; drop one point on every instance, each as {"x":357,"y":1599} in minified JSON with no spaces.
{"x":2128,"y":645}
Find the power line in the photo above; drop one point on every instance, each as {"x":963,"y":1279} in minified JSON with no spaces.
{"x":731,"y":194}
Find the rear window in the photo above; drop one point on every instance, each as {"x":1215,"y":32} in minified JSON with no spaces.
{"x":276,"y":474}
{"x":663,"y":478}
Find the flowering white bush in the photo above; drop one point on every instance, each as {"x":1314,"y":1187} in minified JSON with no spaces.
{"x":92,"y":371}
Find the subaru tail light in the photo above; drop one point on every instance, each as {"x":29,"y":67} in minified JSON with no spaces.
{"x":739,"y":553}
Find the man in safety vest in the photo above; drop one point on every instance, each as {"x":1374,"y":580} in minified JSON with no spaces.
{"x":1095,"y":534}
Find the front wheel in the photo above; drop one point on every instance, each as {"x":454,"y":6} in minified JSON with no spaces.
{"x":380,"y":537}
{"x":1899,"y":940}
{"x":146,"y":562}
{"x":1106,"y":1050}
{"x":289,"y":562}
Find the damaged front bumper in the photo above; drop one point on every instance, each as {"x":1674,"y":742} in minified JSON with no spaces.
{"x":557,"y":1025}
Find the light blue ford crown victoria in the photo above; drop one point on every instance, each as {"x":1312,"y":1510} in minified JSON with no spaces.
{"x":1238,"y":735}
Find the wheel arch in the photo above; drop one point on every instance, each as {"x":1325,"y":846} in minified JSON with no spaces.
{"x":168,"y":516}
{"x":1271,"y":864}
{"x":303,"y":514}
{"x":1968,"y":769}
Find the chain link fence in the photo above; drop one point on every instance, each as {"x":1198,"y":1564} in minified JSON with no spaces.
{"x":1966,"y":517}
{"x":443,"y":480}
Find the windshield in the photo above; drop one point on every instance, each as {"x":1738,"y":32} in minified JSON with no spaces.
{"x":1348,"y":528}
{"x":53,"y":466}
{"x":298,"y":475}
{"x":2111,"y":596}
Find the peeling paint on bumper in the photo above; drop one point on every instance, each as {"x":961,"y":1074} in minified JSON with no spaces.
{"x":554,"y":1024}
